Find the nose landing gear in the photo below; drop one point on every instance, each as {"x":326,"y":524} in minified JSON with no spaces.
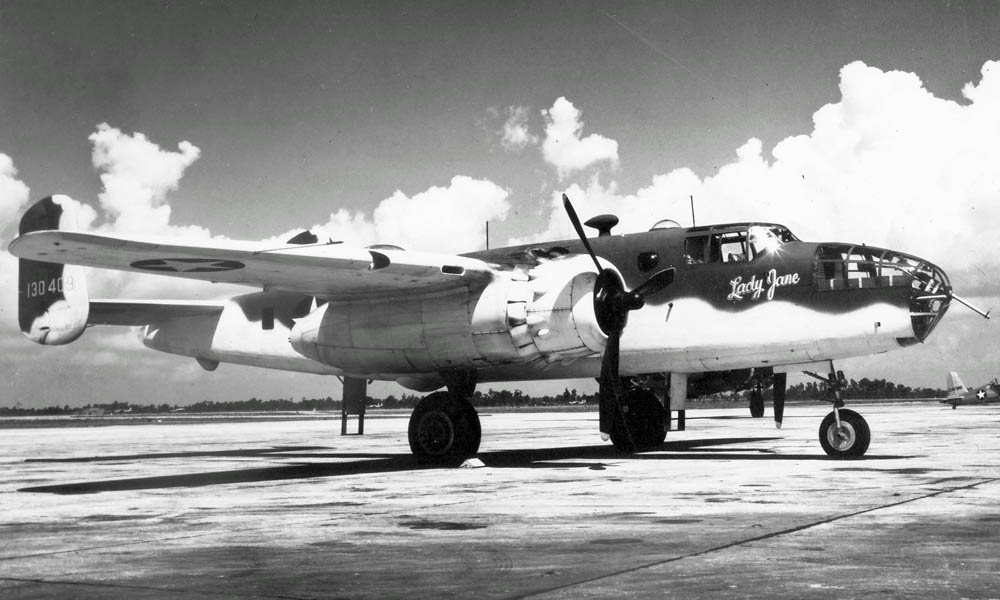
{"x":843,"y":434}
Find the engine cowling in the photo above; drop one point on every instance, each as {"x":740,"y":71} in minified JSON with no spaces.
{"x":557,"y":322}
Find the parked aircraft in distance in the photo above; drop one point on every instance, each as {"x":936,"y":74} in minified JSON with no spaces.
{"x":657,"y":317}
{"x":959,"y":395}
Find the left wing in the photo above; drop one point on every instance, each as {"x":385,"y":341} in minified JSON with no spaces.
{"x":329,"y":271}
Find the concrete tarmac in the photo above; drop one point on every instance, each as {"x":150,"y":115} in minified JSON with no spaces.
{"x":729,"y":508}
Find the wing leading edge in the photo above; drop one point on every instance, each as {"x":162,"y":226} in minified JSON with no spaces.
{"x":330,"y":271}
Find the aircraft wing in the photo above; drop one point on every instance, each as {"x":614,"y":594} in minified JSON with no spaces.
{"x":330,"y":271}
{"x":144,"y":312}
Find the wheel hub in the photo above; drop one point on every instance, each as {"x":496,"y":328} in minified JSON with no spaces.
{"x":436,"y":433}
{"x":841,"y":438}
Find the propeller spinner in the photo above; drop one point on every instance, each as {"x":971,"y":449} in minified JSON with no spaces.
{"x":612,"y":303}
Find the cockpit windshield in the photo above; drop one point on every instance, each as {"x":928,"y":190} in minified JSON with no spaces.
{"x":768,"y":238}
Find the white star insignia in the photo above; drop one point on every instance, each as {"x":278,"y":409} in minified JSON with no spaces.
{"x":187,"y":265}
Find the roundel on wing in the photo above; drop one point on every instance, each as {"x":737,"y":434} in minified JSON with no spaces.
{"x":187,"y":265}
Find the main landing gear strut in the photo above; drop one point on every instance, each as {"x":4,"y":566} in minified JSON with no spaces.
{"x":843,"y":433}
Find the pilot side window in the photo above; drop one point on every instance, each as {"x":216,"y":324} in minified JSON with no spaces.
{"x":732,"y":246}
{"x":695,"y":250}
{"x":724,"y":247}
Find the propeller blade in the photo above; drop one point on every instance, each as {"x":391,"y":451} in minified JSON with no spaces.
{"x":612,"y":303}
{"x":656,"y":283}
{"x":608,"y":398}
{"x":611,"y":392}
{"x":579,"y":230}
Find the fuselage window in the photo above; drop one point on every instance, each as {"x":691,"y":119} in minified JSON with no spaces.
{"x":695,"y":250}
{"x":732,"y":247}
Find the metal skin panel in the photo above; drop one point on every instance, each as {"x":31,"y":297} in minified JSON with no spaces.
{"x":447,"y":328}
{"x":506,"y":297}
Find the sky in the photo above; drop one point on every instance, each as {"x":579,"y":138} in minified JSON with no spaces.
{"x":416,"y":123}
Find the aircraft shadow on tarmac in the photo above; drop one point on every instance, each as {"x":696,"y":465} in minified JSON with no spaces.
{"x":590,"y":457}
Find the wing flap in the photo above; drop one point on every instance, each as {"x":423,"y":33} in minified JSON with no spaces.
{"x":144,"y":312}
{"x":330,"y":271}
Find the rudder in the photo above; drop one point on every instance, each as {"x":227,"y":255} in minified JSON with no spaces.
{"x":53,"y":305}
{"x":956,"y":389}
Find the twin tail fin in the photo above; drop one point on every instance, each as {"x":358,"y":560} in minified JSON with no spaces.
{"x":53,"y":305}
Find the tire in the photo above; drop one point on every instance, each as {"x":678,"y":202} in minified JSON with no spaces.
{"x":444,"y":429}
{"x":647,"y":420}
{"x":851,"y":442}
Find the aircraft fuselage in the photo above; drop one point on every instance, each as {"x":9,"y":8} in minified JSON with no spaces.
{"x":734,"y":304}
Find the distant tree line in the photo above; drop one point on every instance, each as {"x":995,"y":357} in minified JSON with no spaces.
{"x":864,"y":389}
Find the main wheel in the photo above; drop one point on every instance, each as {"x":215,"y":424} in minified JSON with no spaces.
{"x":444,"y":429}
{"x":647,"y":420}
{"x":850,"y":440}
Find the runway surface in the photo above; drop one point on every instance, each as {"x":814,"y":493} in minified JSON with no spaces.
{"x":730,"y":508}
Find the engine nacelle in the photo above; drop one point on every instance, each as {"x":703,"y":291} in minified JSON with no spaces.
{"x":544,"y":315}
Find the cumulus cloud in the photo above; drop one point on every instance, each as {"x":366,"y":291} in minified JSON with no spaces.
{"x":565,"y":149}
{"x":889,"y":164}
{"x":137,"y":175}
{"x":13,"y":192}
{"x":441,"y":219}
{"x":13,"y":200}
{"x":515,"y":134}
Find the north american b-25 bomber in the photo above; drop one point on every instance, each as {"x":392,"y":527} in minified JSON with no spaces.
{"x":656,"y":317}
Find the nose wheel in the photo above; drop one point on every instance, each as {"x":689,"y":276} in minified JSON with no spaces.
{"x":845,"y":437}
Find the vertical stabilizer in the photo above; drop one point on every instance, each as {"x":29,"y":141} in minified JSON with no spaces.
{"x":956,"y":389}
{"x":52,"y":298}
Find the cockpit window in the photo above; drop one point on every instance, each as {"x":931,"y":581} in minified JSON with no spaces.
{"x":738,"y":245}
{"x":729,"y":247}
{"x":768,"y":238}
{"x":695,"y":250}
